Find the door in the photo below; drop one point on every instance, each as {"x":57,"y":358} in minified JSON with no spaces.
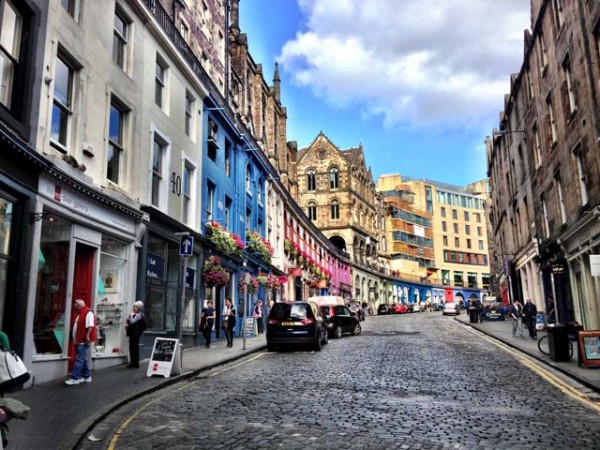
{"x":83,"y":277}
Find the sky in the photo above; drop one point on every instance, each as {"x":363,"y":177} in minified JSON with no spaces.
{"x":419,"y":83}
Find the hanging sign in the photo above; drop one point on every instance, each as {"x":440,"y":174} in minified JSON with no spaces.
{"x":165,"y":357}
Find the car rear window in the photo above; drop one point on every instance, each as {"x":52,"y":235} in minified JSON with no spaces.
{"x":283,"y":311}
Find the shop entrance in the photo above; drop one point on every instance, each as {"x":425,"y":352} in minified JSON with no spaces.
{"x":83,"y":276}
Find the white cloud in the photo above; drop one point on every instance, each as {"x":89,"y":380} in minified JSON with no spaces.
{"x":415,"y":62}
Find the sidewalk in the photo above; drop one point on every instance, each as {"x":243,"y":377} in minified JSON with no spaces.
{"x":60,"y":415}
{"x":502,"y":331}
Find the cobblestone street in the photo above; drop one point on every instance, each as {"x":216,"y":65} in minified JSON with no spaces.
{"x":419,"y":381}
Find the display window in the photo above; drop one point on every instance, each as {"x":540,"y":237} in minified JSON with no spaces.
{"x":109,"y":300}
{"x":155,"y":283}
{"x":6,"y":214}
{"x":50,"y":303}
{"x":191,"y":293}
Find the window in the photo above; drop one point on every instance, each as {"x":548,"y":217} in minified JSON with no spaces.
{"x":159,"y":153}
{"x":160,"y":83}
{"x":10,"y":48}
{"x":311,"y":181}
{"x":467,"y":229}
{"x":582,"y":178}
{"x":559,"y":17}
{"x":443,"y":226}
{"x":472,"y":279}
{"x":445,"y":240}
{"x":312,"y":211}
{"x":443,"y":211}
{"x":120,"y":36}
{"x":248,"y":179}
{"x":227,"y":158}
{"x":335,"y":209}
{"x":189,"y":177}
{"x":184,"y":30}
{"x":70,"y":6}
{"x":537,"y":147}
{"x":479,"y":231}
{"x":466,"y":216}
{"x":545,"y":214}
{"x":552,"y":121}
{"x":454,"y":214}
{"x":115,"y":143}
{"x":561,"y":201}
{"x":456,"y":242}
{"x":445,"y":276}
{"x":542,"y":54}
{"x":189,"y":115}
{"x":569,"y":86}
{"x":210,"y":200}
{"x":62,"y":105}
{"x":478,"y":217}
{"x":456,"y":228}
{"x":480,"y":245}
{"x":468,"y":243}
{"x":334,"y":178}
{"x":248,"y":219}
{"x":458,"y":279}
{"x":228,"y":203}
{"x":259,"y":198}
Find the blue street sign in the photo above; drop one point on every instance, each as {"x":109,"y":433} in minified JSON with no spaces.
{"x":186,"y":246}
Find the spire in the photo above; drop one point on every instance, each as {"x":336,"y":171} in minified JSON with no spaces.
{"x":277,"y":84}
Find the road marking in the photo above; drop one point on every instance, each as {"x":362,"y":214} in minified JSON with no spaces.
{"x":530,"y":363}
{"x":129,"y":419}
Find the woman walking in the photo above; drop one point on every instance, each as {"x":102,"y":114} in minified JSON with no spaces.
{"x":229,"y":321}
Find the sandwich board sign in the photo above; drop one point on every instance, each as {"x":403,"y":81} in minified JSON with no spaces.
{"x":165,"y":356}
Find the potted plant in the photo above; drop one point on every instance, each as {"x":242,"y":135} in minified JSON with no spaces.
{"x":213,"y":274}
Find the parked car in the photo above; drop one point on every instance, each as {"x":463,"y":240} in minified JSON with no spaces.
{"x":399,"y":308}
{"x":294,"y":323}
{"x":416,"y":308}
{"x":340,"y":320}
{"x":383,"y":309}
{"x":451,"y":309}
{"x":357,"y":310}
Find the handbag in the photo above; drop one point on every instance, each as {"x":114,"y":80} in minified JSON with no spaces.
{"x":13,"y":371}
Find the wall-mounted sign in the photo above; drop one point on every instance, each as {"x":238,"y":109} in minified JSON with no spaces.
{"x":154,"y":268}
{"x":558,"y":268}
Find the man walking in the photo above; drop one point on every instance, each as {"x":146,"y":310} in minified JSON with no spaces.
{"x":529,"y":314}
{"x":516,"y":315}
{"x":84,"y":335}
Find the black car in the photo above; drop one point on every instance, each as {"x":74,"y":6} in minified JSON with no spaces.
{"x":340,"y":320}
{"x":383,"y":309}
{"x":293,"y":323}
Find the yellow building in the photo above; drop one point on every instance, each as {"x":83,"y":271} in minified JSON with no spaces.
{"x":458,"y":228}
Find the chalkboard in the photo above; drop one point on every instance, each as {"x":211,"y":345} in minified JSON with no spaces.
{"x":248,"y":327}
{"x":589,"y":345}
{"x":165,"y":354}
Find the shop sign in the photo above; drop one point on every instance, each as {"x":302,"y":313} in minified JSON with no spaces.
{"x":595,"y":265}
{"x":154,"y":268}
{"x":83,"y":206}
{"x":557,"y":268}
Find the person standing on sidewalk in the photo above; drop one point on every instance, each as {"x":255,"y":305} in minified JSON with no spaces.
{"x":207,"y":320}
{"x":258,"y":315}
{"x":229,"y":321}
{"x":84,"y":335}
{"x":135,"y":327}
{"x":516,"y":315}
{"x":529,"y":313}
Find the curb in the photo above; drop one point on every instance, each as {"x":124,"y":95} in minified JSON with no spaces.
{"x":536,"y":357}
{"x":75,"y":442}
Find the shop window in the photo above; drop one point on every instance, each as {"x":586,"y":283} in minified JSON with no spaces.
{"x":6,"y":214}
{"x":50,"y":303}
{"x":110,"y":308}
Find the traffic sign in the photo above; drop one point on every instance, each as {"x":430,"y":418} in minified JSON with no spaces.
{"x":186,"y":246}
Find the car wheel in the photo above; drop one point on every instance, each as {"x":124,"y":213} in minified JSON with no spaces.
{"x":318,"y":343}
{"x":357,"y":329}
{"x":325,"y":340}
{"x":337,"y":332}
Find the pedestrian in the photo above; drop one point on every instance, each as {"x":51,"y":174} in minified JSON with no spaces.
{"x":505,"y":312}
{"x":529,"y":314}
{"x":135,"y":325}
{"x":480,"y":310}
{"x":4,"y":341}
{"x":84,"y":335}
{"x":229,"y":321}
{"x":516,"y":315}
{"x":258,"y":315}
{"x":207,"y":320}
{"x":269,"y":306}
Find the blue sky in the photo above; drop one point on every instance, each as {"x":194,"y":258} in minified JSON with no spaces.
{"x":419,"y":83}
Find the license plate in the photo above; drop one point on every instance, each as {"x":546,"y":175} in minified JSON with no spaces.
{"x":288,"y":324}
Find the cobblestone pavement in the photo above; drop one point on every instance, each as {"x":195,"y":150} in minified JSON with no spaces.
{"x":419,"y":381}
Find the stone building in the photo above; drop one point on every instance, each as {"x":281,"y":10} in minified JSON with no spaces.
{"x":544,"y":163}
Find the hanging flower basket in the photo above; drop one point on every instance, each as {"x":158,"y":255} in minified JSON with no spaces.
{"x":251,"y":287}
{"x":259,"y":246}
{"x":262,"y":278}
{"x":226,"y":242}
{"x":213,"y":274}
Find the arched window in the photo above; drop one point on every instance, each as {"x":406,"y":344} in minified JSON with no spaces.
{"x":334,"y":178}
{"x":312,"y":211}
{"x":311,"y":180}
{"x":248,"y":178}
{"x":335,"y":210}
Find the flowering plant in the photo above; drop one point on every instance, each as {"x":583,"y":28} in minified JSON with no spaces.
{"x":251,"y":287}
{"x":262,"y":278}
{"x":213,"y":274}
{"x":282,"y":279}
{"x":226,"y":242}
{"x":260,"y":246}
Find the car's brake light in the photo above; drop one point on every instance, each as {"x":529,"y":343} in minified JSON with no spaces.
{"x":273,"y":322}
{"x":307,"y":321}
